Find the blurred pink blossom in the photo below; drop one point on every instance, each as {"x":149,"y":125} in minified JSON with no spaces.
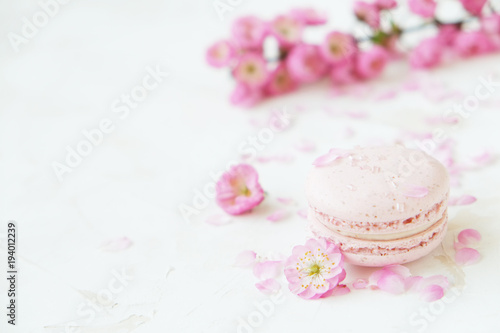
{"x":475,"y":7}
{"x":305,"y":63}
{"x":338,"y":47}
{"x":424,"y":8}
{"x":248,"y":32}
{"x":472,"y":43}
{"x":280,"y":81}
{"x":287,"y":30}
{"x":220,"y":54}
{"x":371,"y":63}
{"x":368,"y":13}
{"x":386,"y":4}
{"x":245,"y":96}
{"x":427,"y":54}
{"x":251,"y":70}
{"x":308,"y":16}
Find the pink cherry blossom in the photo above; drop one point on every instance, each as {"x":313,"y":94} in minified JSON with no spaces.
{"x":432,"y":293}
{"x":343,"y":73}
{"x":371,"y":63}
{"x":368,"y":13}
{"x":386,"y":4}
{"x":475,"y":7}
{"x":287,"y":30}
{"x":308,"y":16}
{"x":427,"y":54}
{"x":305,"y":64}
{"x":490,"y":24}
{"x":472,"y":43}
{"x":245,"y":96}
{"x":238,"y":190}
{"x":424,"y":8}
{"x":314,"y":270}
{"x":249,"y":32}
{"x":251,"y":70}
{"x":338,"y":47}
{"x":447,"y":34}
{"x":220,"y":54}
{"x":280,"y":81}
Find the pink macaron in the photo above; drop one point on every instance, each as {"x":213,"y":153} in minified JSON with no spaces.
{"x":381,"y":205}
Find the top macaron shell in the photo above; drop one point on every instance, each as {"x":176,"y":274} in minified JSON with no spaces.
{"x":373,"y":184}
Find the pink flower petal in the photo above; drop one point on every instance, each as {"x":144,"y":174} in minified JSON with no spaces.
{"x":305,"y":146}
{"x":267,"y":269}
{"x":286,"y":201}
{"x":268,"y":286}
{"x":391,"y":282}
{"x":414,"y":191}
{"x":432,"y":293}
{"x":218,"y":219}
{"x":339,"y":290}
{"x":461,"y":201}
{"x":439,"y":280}
{"x":467,"y":256}
{"x":328,"y":158}
{"x":277,"y":215}
{"x":469,"y":236}
{"x":117,"y":244}
{"x":302,"y":213}
{"x":414,"y":283}
{"x":360,"y":284}
{"x":390,"y":94}
{"x":400,"y":270}
{"x":245,"y":258}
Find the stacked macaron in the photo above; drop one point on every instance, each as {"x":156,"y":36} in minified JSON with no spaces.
{"x":381,"y":205}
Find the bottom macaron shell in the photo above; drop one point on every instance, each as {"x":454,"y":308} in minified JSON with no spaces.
{"x":381,"y":253}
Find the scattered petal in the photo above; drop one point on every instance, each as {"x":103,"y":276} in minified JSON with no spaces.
{"x":461,"y":201}
{"x":360,"y":284}
{"x":391,"y":282}
{"x":117,"y":244}
{"x":339,"y":290}
{"x":302,"y":213}
{"x":328,"y":158}
{"x":245,"y":259}
{"x":469,"y":236}
{"x":268,"y":286}
{"x":414,"y":191}
{"x":305,"y":146}
{"x":413,"y":283}
{"x":432,"y":293}
{"x":390,"y":94}
{"x":467,"y":256}
{"x":286,"y":201}
{"x":267,"y":269}
{"x":277,"y":215}
{"x":218,"y":219}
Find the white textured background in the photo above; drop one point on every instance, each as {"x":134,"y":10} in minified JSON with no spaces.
{"x":66,"y":79}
